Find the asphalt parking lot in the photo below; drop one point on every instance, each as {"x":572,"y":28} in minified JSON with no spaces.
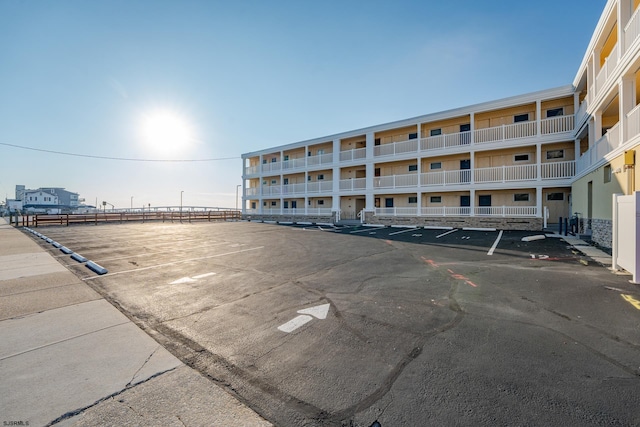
{"x":317,"y":325}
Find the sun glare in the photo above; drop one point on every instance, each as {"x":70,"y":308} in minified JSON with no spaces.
{"x":166,"y":132}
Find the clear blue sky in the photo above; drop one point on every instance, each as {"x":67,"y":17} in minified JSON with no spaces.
{"x":80,"y":76}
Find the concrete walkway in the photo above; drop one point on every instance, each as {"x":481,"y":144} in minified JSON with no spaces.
{"x":588,"y":250}
{"x":68,"y":357}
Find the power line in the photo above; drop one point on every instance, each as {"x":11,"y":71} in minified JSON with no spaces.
{"x":62,"y":153}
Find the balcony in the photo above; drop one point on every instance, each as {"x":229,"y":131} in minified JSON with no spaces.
{"x":320,"y":159}
{"x":632,"y":29}
{"x":356,"y":184}
{"x":409,"y":146}
{"x":607,"y":68}
{"x":484,"y":211}
{"x":396,"y":181}
{"x":609,"y":142}
{"x":441,"y":178}
{"x":320,"y":187}
{"x":351,"y":155}
{"x":293,"y":189}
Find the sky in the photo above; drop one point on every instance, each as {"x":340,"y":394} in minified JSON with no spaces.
{"x":84,"y":84}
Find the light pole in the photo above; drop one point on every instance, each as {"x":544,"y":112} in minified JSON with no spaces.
{"x":131,"y":203}
{"x":237,"y":187}
{"x":181,"y":205}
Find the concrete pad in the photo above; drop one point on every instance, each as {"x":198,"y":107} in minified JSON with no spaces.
{"x":16,"y":242}
{"x":54,"y":326}
{"x":178,"y":398}
{"x":34,"y":302}
{"x":44,"y":384}
{"x":28,"y":264}
{"x":532,"y":238}
{"x":36,"y":283}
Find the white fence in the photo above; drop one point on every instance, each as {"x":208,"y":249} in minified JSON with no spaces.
{"x":626,"y":230}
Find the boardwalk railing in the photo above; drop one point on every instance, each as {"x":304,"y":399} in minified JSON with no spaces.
{"x":95,"y":218}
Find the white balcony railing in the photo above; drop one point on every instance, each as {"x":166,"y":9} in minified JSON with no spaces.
{"x":439,"y":142}
{"x":392,"y":149}
{"x":252,"y":170}
{"x":445,"y":211}
{"x":558,"y":170}
{"x":506,"y":173}
{"x":320,"y":159}
{"x":557,"y":124}
{"x":633,"y":122}
{"x":319,"y":211}
{"x":582,"y":114}
{"x":506,"y":211}
{"x":294,"y":164}
{"x":251,"y":191}
{"x":504,"y":132}
{"x":609,"y":142}
{"x":320,"y":187}
{"x":294,"y":189}
{"x":396,"y":181}
{"x":454,"y":177}
{"x":355,"y":154}
{"x":607,"y":68}
{"x":353,"y":184}
{"x":632,"y":29}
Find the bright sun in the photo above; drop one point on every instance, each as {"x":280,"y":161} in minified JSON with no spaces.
{"x":166,"y":132}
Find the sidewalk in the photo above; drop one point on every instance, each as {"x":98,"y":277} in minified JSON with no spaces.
{"x":588,"y":250}
{"x":68,"y":357}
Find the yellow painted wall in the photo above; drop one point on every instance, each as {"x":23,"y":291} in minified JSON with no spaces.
{"x":448,"y":126}
{"x":396,"y":168}
{"x":609,"y":44}
{"x":448,"y":162}
{"x":353,"y":172}
{"x":503,"y":117}
{"x":298,"y":153}
{"x":622,"y":181}
{"x":313,"y":202}
{"x":254,"y":161}
{"x":450,"y":199}
{"x":635,"y":4}
{"x":399,"y":200}
{"x":353,"y":143}
{"x":505,"y":197}
{"x":328,"y":175}
{"x":566,"y":103}
{"x":488,"y":159}
{"x":326,"y":148}
{"x":568,"y":147}
{"x":298,"y":178}
{"x":395,"y":135}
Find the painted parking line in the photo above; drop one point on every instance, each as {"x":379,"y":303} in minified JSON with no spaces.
{"x":174,"y":263}
{"x":448,"y":232}
{"x":631,"y":300}
{"x":402,"y":231}
{"x":360,"y":231}
{"x":495,"y":244}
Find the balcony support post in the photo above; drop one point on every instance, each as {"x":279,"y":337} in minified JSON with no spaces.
{"x":539,"y":162}
{"x":538,"y":118}
{"x":538,"y":201}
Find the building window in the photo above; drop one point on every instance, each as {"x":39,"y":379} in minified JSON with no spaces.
{"x":413,"y":168}
{"x":413,"y":199}
{"x":264,"y":161}
{"x":607,"y":173}
{"x":521,"y":118}
{"x":308,"y":177}
{"x":273,"y":182}
{"x":320,"y":151}
{"x":273,"y":160}
{"x":484,"y":200}
{"x":555,"y":196}
{"x":286,"y":158}
{"x":376,"y":141}
{"x":388,"y":202}
{"x":523,"y":197}
{"x":286,"y":204}
{"x":264,"y":203}
{"x":413,"y":135}
{"x":521,"y":158}
{"x":253,"y":205}
{"x":555,"y":154}
{"x":320,"y":177}
{"x":435,"y":165}
{"x":555,"y":112}
{"x":435,"y":199}
{"x":376,"y":172}
{"x":435,"y":132}
{"x":273,"y":203}
{"x":321,"y":202}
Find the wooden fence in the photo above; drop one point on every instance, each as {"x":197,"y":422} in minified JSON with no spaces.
{"x":95,"y":218}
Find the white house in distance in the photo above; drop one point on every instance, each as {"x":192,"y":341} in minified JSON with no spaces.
{"x":43,"y":200}
{"x":506,"y":163}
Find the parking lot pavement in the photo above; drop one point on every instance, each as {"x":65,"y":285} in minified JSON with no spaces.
{"x":68,"y":357}
{"x":322,"y":325}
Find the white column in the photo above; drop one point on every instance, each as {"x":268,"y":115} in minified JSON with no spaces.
{"x":627,"y":102}
{"x":473,"y":128}
{"x":472,"y":202}
{"x":538,"y":117}
{"x":539,"y":161}
{"x":370,"y":172}
{"x":539,"y":202}
{"x":335,"y":199}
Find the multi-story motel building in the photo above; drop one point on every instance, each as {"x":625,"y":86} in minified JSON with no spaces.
{"x":504,"y":164}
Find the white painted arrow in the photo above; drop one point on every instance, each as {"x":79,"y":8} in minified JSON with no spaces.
{"x":319,"y":312}
{"x":191,"y":279}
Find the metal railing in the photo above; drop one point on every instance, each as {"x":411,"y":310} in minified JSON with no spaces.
{"x":120,"y":217}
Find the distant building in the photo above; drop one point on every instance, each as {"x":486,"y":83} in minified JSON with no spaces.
{"x":44,"y":200}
